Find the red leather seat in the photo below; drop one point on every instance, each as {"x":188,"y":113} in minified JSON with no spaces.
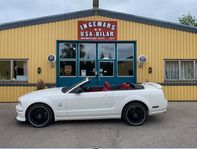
{"x":106,"y":87}
{"x":125,"y":86}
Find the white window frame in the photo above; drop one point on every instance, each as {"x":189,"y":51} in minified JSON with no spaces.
{"x":179,"y":62}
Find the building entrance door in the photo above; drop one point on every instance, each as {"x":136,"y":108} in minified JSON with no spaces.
{"x":100,"y":61}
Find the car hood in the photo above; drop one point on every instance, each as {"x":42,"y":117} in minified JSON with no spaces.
{"x":42,"y":93}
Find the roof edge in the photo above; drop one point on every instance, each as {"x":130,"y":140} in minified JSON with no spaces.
{"x":46,"y":19}
{"x":101,"y":12}
{"x":148,"y":21}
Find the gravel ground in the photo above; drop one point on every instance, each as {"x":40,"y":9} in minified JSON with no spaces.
{"x":176,"y":128}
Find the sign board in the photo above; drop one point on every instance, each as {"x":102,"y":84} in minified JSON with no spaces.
{"x":97,"y":30}
{"x":83,"y":73}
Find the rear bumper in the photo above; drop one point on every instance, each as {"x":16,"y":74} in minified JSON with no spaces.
{"x":162,"y":108}
{"x":158,"y":111}
{"x":20,"y":114}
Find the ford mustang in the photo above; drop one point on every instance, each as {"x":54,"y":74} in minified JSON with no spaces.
{"x":131,"y":102}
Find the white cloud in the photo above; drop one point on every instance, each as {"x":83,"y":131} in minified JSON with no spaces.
{"x":12,"y":10}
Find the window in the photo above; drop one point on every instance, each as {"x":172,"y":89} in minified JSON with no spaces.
{"x":87,"y":68}
{"x":172,"y":70}
{"x":125,"y":50}
{"x":13,"y":70}
{"x":180,"y":70}
{"x":5,"y":70}
{"x":87,"y":59}
{"x":67,"y":55}
{"x":125,"y":59}
{"x":106,"y":51}
{"x":93,"y":59}
{"x":125,"y":68}
{"x":195,"y":70}
{"x":106,"y":68}
{"x":187,"y":70}
{"x":68,"y":68}
{"x":87,"y":51}
{"x":67,"y":50}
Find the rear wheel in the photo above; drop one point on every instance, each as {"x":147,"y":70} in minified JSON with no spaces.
{"x":135,"y":114}
{"x":39,"y":115}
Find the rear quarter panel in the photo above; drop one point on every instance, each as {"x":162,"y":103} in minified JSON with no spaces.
{"x":150,"y":97}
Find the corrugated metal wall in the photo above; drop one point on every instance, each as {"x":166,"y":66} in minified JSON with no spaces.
{"x":181,"y":93}
{"x":11,"y":93}
{"x":38,"y":41}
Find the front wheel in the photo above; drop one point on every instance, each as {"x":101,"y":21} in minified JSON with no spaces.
{"x":135,"y":114}
{"x":39,"y":115}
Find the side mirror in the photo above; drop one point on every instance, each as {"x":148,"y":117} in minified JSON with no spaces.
{"x":78,"y":90}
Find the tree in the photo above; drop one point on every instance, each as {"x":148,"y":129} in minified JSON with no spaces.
{"x":82,"y":51}
{"x":69,"y":51}
{"x":188,"y":20}
{"x":102,"y":56}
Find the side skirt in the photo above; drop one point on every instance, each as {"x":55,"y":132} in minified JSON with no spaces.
{"x":88,"y":117}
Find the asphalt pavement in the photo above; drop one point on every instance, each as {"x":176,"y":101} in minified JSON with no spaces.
{"x":176,"y":128}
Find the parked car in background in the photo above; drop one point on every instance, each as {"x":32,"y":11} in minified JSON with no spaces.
{"x":131,"y":102}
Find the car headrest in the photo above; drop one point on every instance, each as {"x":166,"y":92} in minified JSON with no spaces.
{"x":107,"y":85}
{"x":125,"y":86}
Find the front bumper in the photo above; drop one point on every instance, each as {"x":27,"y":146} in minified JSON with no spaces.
{"x":20,"y":113}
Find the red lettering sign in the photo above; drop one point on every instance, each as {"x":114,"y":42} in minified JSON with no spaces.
{"x":97,"y":30}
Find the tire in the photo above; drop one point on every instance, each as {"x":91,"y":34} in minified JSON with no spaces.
{"x":39,"y":115}
{"x":135,"y":114}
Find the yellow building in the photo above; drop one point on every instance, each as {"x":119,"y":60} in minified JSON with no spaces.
{"x":104,"y":45}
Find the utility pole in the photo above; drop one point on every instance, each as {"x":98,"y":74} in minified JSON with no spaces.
{"x":95,"y":6}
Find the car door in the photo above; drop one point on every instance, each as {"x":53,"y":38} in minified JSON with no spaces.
{"x":87,"y":104}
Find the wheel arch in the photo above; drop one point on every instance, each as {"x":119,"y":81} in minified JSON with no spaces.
{"x":42,"y":104}
{"x":135,"y":101}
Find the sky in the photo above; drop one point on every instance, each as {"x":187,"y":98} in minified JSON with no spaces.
{"x":167,"y":10}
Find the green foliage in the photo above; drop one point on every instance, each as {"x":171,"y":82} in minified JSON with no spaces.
{"x":40,"y":85}
{"x":188,"y":20}
{"x":69,"y":51}
{"x":82,"y":52}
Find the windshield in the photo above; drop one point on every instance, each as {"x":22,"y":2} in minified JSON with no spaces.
{"x":67,"y":88}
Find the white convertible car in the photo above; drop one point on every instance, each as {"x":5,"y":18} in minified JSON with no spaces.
{"x":131,"y":102}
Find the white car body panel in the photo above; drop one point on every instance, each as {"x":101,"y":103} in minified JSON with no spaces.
{"x":93,"y":105}
{"x":90,"y":104}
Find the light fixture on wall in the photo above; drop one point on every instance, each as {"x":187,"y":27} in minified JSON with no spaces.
{"x":150,"y":70}
{"x":39,"y":70}
{"x":142,"y":59}
{"x":52,"y":59}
